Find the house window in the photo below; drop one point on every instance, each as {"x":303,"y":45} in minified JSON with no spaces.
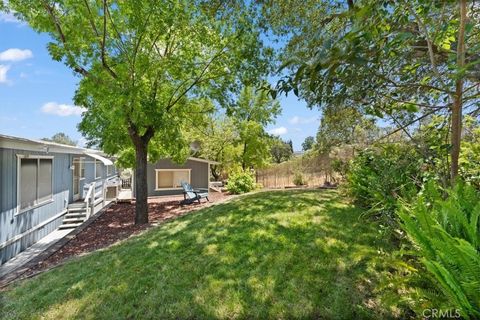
{"x":81,"y":163}
{"x":109,"y":170}
{"x":98,"y":169}
{"x":171,"y":179}
{"x":35,"y":182}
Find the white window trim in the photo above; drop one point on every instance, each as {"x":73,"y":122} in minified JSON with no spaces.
{"x":162,"y":189}
{"x":109,"y":170}
{"x":19,"y":162}
{"x":95,"y":169}
{"x":81,"y":163}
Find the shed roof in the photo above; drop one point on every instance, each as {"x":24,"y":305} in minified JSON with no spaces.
{"x":203,"y":160}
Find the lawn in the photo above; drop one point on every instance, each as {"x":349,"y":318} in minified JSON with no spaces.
{"x":280,"y":254}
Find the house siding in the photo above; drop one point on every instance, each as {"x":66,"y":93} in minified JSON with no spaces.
{"x":24,"y":227}
{"x":198,"y":175}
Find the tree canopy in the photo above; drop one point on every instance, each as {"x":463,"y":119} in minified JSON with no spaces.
{"x":400,"y":61}
{"x":146,"y":67}
{"x":62,"y":138}
{"x":280,"y":150}
{"x":308,"y":143}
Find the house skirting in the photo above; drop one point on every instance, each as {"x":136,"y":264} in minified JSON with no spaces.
{"x":20,"y":242}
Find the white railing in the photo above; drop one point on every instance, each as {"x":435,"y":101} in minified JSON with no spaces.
{"x":90,"y":200}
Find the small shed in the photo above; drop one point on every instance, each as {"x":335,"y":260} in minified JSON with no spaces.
{"x":165,"y":176}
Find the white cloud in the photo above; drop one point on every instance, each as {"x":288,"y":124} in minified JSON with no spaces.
{"x":62,"y":110}
{"x":278,"y":131}
{"x":8,"y":18}
{"x":15,"y":54}
{"x":300,"y":120}
{"x":3,"y":73}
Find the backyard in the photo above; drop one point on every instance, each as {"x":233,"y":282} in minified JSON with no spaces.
{"x":274,"y":254}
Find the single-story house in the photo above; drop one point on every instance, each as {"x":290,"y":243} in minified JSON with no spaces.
{"x":165,"y":176}
{"x":39,"y":181}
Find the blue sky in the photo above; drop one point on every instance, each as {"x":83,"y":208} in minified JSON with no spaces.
{"x":36,"y":92}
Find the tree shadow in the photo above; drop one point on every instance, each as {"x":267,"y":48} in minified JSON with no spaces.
{"x":281,"y":254}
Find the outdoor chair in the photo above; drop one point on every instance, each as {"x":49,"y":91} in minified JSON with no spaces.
{"x":191,"y":195}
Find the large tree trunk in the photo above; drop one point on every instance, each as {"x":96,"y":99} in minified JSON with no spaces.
{"x":141,"y":190}
{"x":141,"y":152}
{"x":456,"y":136}
{"x":244,"y":165}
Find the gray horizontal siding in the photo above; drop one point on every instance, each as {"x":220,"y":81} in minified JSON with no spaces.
{"x":198,"y":176}
{"x":12,"y":225}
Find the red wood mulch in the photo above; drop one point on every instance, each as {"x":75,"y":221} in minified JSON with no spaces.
{"x":117,"y":223}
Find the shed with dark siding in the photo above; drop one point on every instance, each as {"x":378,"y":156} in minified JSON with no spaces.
{"x":164,"y":176}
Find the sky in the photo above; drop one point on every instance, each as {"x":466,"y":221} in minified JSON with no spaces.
{"x":36,"y":92}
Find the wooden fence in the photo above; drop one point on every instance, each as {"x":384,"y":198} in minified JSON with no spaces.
{"x":316,"y":170}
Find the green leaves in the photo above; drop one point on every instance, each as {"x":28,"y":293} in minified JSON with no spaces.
{"x":149,"y":65}
{"x":447,"y":234}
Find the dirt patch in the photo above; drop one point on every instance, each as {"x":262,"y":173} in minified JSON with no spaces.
{"x":117,"y":223}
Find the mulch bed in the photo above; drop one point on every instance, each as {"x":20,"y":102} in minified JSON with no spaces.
{"x":117,"y":223}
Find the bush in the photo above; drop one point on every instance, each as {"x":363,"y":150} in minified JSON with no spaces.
{"x":378,"y":177}
{"x":341,"y":167}
{"x":298,"y":179}
{"x":446,"y":233}
{"x":241,"y":182}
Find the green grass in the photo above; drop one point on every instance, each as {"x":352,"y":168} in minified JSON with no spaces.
{"x":282,"y":254}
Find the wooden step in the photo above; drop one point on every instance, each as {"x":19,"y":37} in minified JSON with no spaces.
{"x":76,"y":215}
{"x":77,"y":205}
{"x":69,"y":225}
{"x":73,"y":220}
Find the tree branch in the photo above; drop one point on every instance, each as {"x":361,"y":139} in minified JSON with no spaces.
{"x":407,"y":125}
{"x":172,"y":101}
{"x":104,"y":36}
{"x":431,"y":54}
{"x":63,"y":39}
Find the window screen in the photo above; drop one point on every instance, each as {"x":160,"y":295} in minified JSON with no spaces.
{"x":82,"y":167}
{"x":28,"y":182}
{"x":45,"y":180}
{"x":172,"y":178}
{"x":35,"y":181}
{"x":98,"y":169}
{"x":165,"y":179}
{"x":179,"y":177}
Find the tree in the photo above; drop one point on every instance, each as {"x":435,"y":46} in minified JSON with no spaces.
{"x":146,"y":66}
{"x":280,"y":150}
{"x":61,"y":138}
{"x":308,"y":143}
{"x":218,"y":142}
{"x":252,"y":112}
{"x":344,"y":126}
{"x":398,"y":60}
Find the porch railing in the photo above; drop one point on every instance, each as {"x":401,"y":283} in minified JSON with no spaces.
{"x":90,"y":200}
{"x":127,"y":183}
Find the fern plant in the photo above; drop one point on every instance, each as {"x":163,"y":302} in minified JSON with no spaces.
{"x":446,"y":232}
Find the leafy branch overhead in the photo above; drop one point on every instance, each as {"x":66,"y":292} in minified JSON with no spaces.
{"x":394,"y":60}
{"x":147,"y":67}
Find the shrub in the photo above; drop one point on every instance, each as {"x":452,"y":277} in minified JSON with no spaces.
{"x":240,"y":182}
{"x":298,"y":179}
{"x":378,"y":177}
{"x":341,"y":167}
{"x":446,"y":233}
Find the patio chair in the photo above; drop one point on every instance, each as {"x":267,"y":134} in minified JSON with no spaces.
{"x":191,"y":195}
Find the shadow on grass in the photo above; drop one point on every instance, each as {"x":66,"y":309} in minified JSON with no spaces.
{"x":281,"y":254}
